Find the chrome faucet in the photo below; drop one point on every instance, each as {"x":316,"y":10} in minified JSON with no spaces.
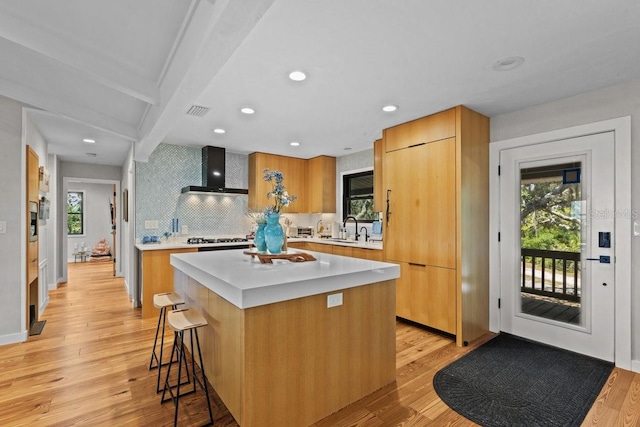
{"x":344,"y":224}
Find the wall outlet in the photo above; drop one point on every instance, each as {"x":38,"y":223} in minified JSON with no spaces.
{"x":334,"y":300}
{"x":151,"y":224}
{"x":3,"y":227}
{"x":184,"y":230}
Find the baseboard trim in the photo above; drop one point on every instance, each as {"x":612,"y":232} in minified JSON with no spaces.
{"x":53,"y":286}
{"x":14,"y":338}
{"x":635,"y":366}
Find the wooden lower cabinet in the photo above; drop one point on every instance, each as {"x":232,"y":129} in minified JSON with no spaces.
{"x":370,"y":254}
{"x":427,"y":295}
{"x":342,"y":250}
{"x":298,"y":245}
{"x":311,"y":246}
{"x":356,"y":252}
{"x":320,"y":247}
{"x":295,"y":362}
{"x":157,"y":276}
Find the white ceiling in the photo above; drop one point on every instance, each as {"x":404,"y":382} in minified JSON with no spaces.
{"x":125,"y":71}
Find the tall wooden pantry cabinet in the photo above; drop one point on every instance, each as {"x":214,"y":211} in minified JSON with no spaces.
{"x":436,"y":200}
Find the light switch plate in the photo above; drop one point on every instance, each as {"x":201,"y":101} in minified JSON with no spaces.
{"x":3,"y":227}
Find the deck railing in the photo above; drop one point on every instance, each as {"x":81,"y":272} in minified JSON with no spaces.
{"x":551,"y":273}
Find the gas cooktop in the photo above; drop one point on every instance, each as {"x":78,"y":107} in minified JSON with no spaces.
{"x":202,"y":240}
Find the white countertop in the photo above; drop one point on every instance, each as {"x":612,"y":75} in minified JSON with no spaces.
{"x":245,"y":282}
{"x":181,"y":243}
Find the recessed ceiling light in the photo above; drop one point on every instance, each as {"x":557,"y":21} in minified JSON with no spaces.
{"x":294,"y":144}
{"x":247,"y":110}
{"x":219,"y":130}
{"x":89,"y":141}
{"x":389,"y":108}
{"x":508,"y":64}
{"x":91,"y":154}
{"x":297,"y":76}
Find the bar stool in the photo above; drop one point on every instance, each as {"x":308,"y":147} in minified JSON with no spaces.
{"x":162,"y":301}
{"x":182,"y":320}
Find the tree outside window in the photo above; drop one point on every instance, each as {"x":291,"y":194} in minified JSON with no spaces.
{"x":75,"y":213}
{"x":357,"y":198}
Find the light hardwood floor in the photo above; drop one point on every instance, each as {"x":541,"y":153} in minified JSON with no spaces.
{"x":89,"y":367}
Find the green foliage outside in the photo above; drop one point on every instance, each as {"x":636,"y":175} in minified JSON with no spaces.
{"x":550,"y":218}
{"x":547,"y":215}
{"x":362,"y":209}
{"x":74,"y":213}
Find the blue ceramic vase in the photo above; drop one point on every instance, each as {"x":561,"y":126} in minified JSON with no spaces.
{"x":258,"y":240}
{"x":274,"y":234}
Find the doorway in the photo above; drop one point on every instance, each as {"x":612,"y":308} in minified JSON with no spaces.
{"x":554,"y":266}
{"x":560,"y":271}
{"x":112,"y":224}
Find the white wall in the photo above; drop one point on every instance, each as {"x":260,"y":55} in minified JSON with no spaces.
{"x":12,"y":244}
{"x":127,"y":231}
{"x":97,"y":215}
{"x":608,"y":103}
{"x":53,"y":164}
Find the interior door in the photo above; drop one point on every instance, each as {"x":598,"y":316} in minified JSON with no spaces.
{"x":557,"y":217}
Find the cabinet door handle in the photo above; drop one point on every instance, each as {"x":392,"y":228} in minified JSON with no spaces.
{"x":417,"y":145}
{"x":388,"y":213}
{"x":415,"y":264}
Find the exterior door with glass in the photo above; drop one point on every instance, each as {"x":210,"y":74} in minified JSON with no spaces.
{"x":557,"y":217}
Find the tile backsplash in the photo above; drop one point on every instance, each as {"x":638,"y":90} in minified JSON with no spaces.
{"x":158,"y":196}
{"x":171,"y":167}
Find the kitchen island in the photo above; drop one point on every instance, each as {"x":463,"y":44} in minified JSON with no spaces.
{"x":274,"y":351}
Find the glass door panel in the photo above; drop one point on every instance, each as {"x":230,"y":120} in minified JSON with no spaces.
{"x":551,"y":241}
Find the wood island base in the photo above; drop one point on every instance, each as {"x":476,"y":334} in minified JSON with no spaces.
{"x":292,"y":363}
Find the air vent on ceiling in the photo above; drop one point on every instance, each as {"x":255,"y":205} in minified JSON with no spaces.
{"x":197,"y":111}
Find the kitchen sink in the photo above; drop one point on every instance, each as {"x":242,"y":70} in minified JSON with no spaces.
{"x":333,"y":239}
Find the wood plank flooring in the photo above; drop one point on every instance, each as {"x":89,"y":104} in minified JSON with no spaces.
{"x":89,"y":367}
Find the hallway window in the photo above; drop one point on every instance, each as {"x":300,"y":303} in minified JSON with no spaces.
{"x":75,"y":213}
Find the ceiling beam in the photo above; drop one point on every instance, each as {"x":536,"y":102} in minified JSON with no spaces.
{"x":214,"y":33}
{"x":36,"y":98}
{"x":77,"y":58}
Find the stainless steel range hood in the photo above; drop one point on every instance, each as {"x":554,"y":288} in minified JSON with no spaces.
{"x":213,"y":174}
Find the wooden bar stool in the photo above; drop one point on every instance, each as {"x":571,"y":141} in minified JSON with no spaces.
{"x":182,"y":320}
{"x":162,"y":301}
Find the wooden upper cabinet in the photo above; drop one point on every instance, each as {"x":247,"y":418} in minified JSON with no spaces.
{"x":378,"y":180}
{"x":33,"y":175}
{"x":313,"y":181}
{"x":295,"y":180}
{"x":321,"y":185}
{"x":427,"y":129}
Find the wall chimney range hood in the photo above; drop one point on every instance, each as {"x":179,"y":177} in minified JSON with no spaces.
{"x":213,"y":174}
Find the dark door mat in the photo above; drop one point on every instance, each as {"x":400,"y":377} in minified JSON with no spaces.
{"x":37,"y":327}
{"x":510,"y":381}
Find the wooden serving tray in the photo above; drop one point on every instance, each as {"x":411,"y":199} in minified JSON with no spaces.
{"x":293,"y":257}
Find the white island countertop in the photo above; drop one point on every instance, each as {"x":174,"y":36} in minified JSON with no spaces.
{"x":245,"y":282}
{"x":181,"y":243}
